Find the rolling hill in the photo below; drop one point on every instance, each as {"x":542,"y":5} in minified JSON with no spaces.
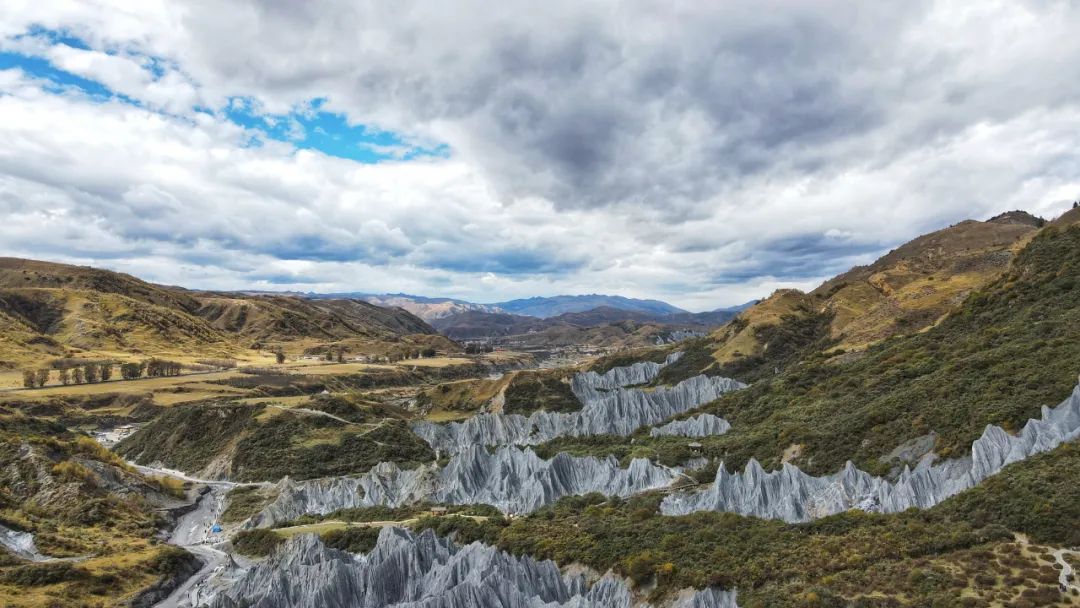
{"x":905,"y":291}
{"x":58,"y":310}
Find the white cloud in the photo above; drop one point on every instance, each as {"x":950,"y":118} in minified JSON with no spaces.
{"x":699,"y":153}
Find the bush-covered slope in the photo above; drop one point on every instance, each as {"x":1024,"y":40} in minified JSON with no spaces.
{"x":257,"y":443}
{"x":1008,"y":349}
{"x":963,"y":548}
{"x":905,"y":291}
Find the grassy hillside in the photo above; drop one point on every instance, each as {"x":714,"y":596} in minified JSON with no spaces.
{"x":18,"y":273}
{"x":279,"y":318}
{"x":906,"y":291}
{"x":1008,"y":349}
{"x":78,"y":500}
{"x":50,"y":311}
{"x":265,"y":443}
{"x":55,"y":321}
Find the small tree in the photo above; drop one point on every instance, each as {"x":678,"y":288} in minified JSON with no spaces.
{"x":78,"y":374}
{"x":65,"y":376}
{"x":29,"y":379}
{"x":90,"y":373}
{"x":340,"y":356}
{"x":280,"y":356}
{"x":329,"y":354}
{"x":428,"y":352}
{"x":105,"y":371}
{"x":131,"y":371}
{"x":42,"y":377}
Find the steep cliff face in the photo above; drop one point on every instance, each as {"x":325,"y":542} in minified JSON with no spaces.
{"x":698,"y":426}
{"x":511,"y":479}
{"x":608,"y":408}
{"x":793,"y":496}
{"x":424,"y":571}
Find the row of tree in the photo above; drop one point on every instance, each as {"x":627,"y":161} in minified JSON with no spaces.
{"x":88,"y":373}
{"x":91,"y":373}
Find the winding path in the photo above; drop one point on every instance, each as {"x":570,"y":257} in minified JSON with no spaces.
{"x":1066,"y":571}
{"x":194,"y":532}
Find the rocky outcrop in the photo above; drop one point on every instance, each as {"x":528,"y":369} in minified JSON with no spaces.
{"x":698,"y":426}
{"x":511,"y":479}
{"x":20,"y":544}
{"x":793,"y":496}
{"x":407,"y":570}
{"x":641,"y":372}
{"x":607,"y":408}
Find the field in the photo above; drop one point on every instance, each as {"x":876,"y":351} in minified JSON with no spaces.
{"x":197,"y":386}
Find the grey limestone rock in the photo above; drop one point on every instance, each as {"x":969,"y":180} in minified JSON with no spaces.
{"x":698,"y":426}
{"x":408,"y":570}
{"x":793,"y":496}
{"x":608,"y":408}
{"x":511,"y":479}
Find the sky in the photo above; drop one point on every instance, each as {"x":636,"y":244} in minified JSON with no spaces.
{"x":703,"y":153}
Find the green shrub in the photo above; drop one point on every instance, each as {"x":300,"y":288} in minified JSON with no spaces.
{"x":48,"y":573}
{"x":258,"y":542}
{"x":354,"y":539}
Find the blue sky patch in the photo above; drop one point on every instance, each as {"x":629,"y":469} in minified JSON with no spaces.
{"x":309,"y":127}
{"x":330,"y":133}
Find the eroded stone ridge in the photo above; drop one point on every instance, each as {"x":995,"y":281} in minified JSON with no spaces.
{"x":607,"y":408}
{"x":698,"y":426}
{"x":641,"y":372}
{"x":511,"y":479}
{"x":793,"y":496}
{"x":408,"y":570}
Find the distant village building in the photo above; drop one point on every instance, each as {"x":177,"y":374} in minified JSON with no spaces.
{"x":438,"y":511}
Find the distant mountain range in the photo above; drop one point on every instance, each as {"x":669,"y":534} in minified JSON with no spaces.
{"x":429,"y":309}
{"x":478,"y":324}
{"x":556,"y":305}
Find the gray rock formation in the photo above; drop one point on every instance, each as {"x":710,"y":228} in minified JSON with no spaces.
{"x":407,"y":570}
{"x":793,"y":496}
{"x":20,"y":544}
{"x":607,"y":408}
{"x":698,"y":426}
{"x":511,"y":479}
{"x":642,"y":372}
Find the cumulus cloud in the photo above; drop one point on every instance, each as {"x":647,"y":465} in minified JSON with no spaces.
{"x":699,"y":152}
